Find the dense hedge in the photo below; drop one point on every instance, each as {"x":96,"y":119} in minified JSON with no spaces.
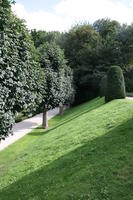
{"x":115,"y":84}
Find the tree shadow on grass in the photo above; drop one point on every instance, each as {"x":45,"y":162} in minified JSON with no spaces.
{"x":66,"y":118}
{"x":101,"y":169}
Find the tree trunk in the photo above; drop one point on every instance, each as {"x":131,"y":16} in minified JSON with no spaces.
{"x":61,"y":109}
{"x":2,"y":35}
{"x":45,"y":119}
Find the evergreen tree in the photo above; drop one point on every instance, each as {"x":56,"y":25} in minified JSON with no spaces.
{"x":115,"y":84}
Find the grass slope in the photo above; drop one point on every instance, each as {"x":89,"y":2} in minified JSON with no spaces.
{"x":86,"y":155}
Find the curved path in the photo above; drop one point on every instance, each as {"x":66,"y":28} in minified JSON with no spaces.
{"x":22,"y":128}
{"x":129,"y":98}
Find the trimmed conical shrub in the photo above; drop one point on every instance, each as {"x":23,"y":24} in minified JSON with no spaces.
{"x":103,"y":85}
{"x":115,"y":84}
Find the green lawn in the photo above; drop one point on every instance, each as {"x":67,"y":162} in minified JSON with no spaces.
{"x":86,"y":155}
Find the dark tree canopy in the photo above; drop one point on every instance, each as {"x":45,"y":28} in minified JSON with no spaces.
{"x":92,"y":49}
{"x":81,"y":47}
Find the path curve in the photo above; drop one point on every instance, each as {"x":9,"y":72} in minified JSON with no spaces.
{"x":129,"y":98}
{"x":22,"y":128}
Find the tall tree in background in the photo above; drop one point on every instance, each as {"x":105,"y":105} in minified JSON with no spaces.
{"x":116,"y":48}
{"x":81,"y":50}
{"x":92,"y":49}
{"x":42,"y":37}
{"x":109,"y":50}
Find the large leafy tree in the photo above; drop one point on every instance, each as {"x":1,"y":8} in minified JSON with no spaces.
{"x":8,"y":59}
{"x":19,"y":74}
{"x":66,"y":88}
{"x":125,"y":38}
{"x":57,"y":78}
{"x":109,"y":50}
{"x":92,"y":49}
{"x":81,"y":49}
{"x":116,"y":48}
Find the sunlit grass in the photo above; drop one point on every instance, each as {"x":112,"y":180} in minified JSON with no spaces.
{"x":84,"y":155}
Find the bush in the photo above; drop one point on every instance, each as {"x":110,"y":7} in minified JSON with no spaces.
{"x":115,"y":84}
{"x":103,"y":85}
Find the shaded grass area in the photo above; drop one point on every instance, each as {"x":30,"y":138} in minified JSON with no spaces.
{"x":86,"y":155}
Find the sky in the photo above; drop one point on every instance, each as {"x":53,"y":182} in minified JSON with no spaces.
{"x":61,"y":15}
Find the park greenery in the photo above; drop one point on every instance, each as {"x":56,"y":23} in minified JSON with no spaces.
{"x":115,"y":84}
{"x":86,"y":154}
{"x":91,"y":49}
{"x":42,"y":70}
{"x":26,"y":83}
{"x":58,"y":78}
{"x":20,"y":83}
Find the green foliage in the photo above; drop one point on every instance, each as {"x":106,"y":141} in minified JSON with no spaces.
{"x":66,"y":86}
{"x":58,"y":77}
{"x":115,"y":84}
{"x":20,"y":86}
{"x":5,"y":14}
{"x":87,"y":154}
{"x":91,"y":50}
{"x":81,"y":47}
{"x":42,"y":37}
{"x":107,"y":28}
{"x":103,"y":85}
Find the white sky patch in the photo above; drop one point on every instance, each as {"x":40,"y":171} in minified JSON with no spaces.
{"x":68,"y":12}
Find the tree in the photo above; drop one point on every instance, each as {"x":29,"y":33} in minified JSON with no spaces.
{"x":41,"y":37}
{"x":115,"y":84}
{"x":92,"y":49}
{"x":54,"y":64}
{"x":125,"y":38}
{"x":8,"y":57}
{"x":109,"y":50}
{"x":66,"y":86}
{"x":81,"y":50}
{"x":19,"y":72}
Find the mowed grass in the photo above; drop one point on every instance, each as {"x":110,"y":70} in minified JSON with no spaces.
{"x":87,"y":154}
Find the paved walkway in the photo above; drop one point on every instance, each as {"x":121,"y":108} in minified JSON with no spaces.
{"x":130,"y":98}
{"x":22,"y":128}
